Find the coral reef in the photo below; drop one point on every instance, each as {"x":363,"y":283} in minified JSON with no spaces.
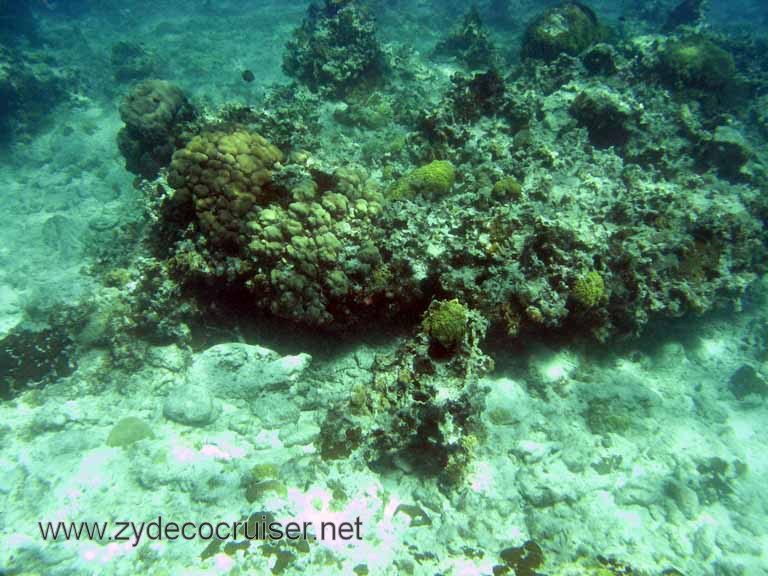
{"x":547,"y":200}
{"x":153,"y":113}
{"x":335,"y":50}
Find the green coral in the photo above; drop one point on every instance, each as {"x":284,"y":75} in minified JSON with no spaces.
{"x":588,"y":290}
{"x":433,"y":179}
{"x":508,"y":188}
{"x":445,"y":321}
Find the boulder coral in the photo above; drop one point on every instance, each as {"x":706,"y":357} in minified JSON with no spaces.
{"x":697,"y":62}
{"x":298,"y":242}
{"x":567,"y":29}
{"x":153,"y":112}
{"x":224,"y":175}
{"x":433,"y":179}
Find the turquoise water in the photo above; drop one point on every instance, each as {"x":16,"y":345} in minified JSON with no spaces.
{"x":363,"y":287}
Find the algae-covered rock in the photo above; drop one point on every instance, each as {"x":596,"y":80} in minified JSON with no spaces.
{"x":605,"y":115}
{"x":567,"y":29}
{"x":152,"y":111}
{"x":727,"y":151}
{"x":697,"y":62}
{"x":131,"y":61}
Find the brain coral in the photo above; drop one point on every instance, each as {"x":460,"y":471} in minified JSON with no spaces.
{"x":224,"y":175}
{"x":152,"y":112}
{"x":433,"y":179}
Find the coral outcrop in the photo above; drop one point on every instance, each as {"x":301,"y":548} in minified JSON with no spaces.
{"x":335,"y":50}
{"x":298,"y":241}
{"x":417,"y":412}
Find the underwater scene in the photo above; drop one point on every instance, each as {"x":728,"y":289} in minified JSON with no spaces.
{"x":384,"y":287}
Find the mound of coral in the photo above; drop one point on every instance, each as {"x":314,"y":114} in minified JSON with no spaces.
{"x":298,"y":240}
{"x":588,"y":193}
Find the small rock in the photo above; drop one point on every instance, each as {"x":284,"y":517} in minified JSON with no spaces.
{"x":236,"y":370}
{"x":191,"y":404}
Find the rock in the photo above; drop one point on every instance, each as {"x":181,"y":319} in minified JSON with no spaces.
{"x":244,"y":371}
{"x":605,"y":115}
{"x":191,"y":404}
{"x":746,"y":381}
{"x":728,"y":151}
{"x":303,"y":431}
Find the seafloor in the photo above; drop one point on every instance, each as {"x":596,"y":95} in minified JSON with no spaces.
{"x":504,"y":303}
